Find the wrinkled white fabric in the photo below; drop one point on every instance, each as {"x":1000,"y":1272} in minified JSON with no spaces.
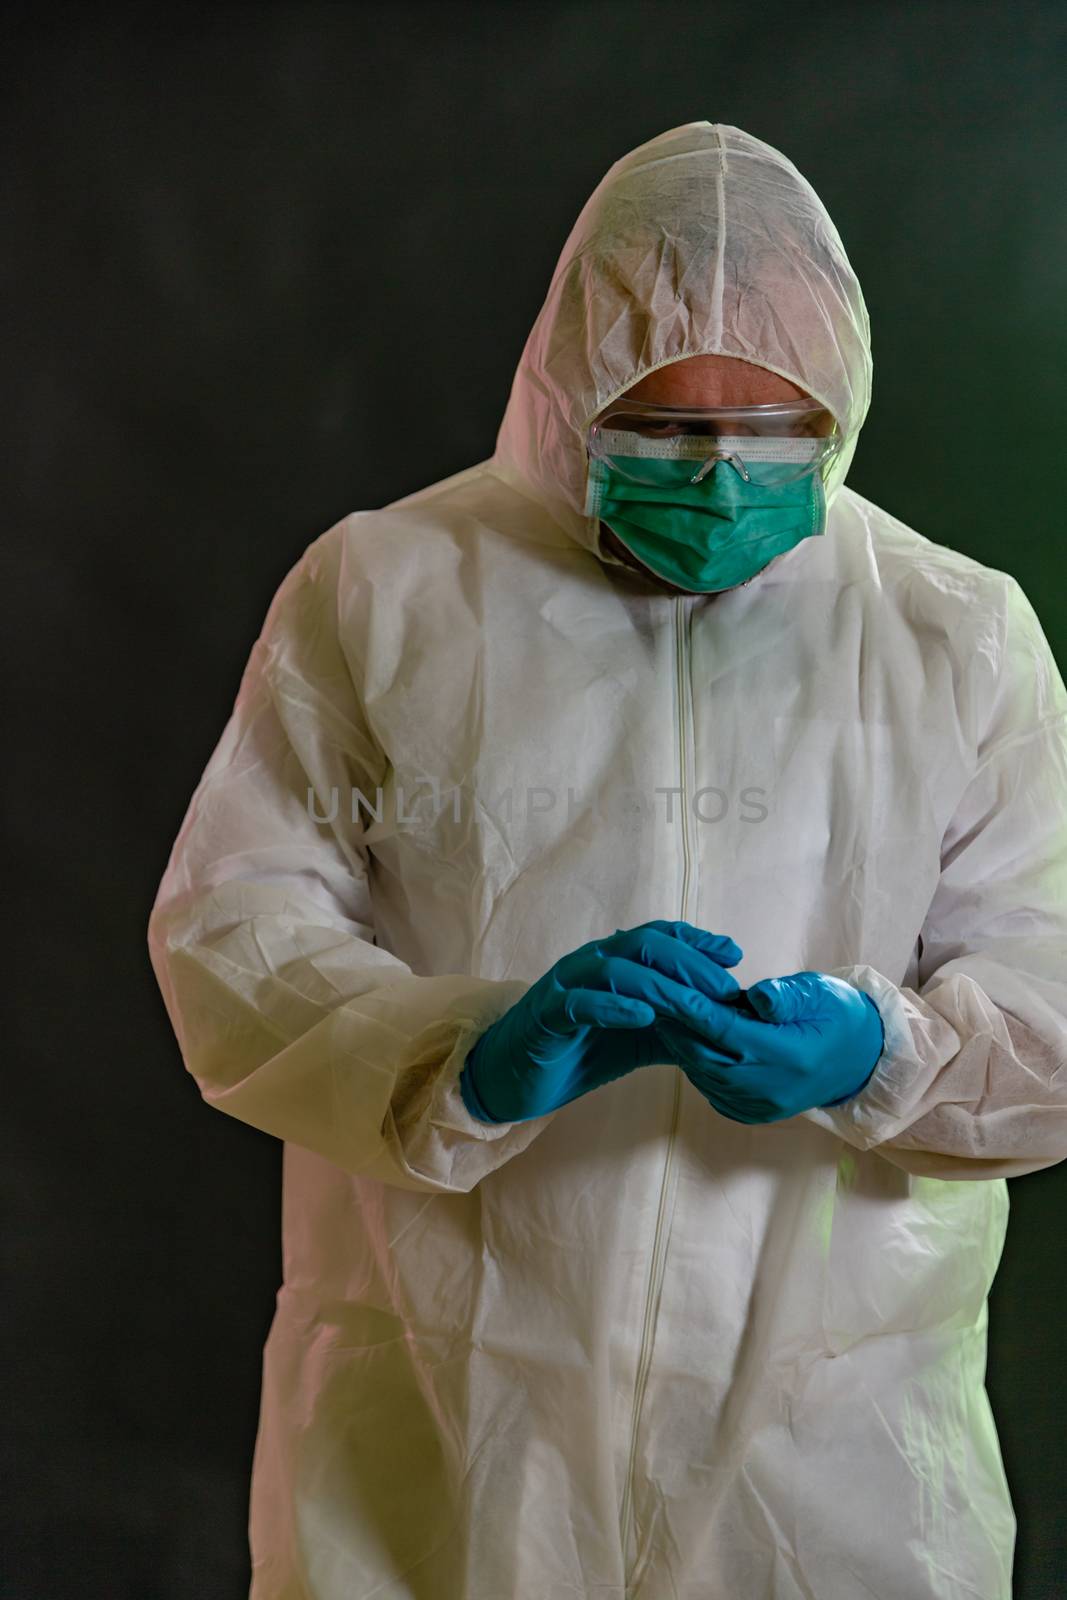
{"x":633,"y":1349}
{"x":704,"y":240}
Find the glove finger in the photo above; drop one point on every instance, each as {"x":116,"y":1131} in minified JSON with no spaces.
{"x":729,"y":1029}
{"x":769,"y":1000}
{"x":601,"y":1008}
{"x":732,"y":1090}
{"x":670,"y":999}
{"x":782,"y":999}
{"x":674,"y":958}
{"x":722,"y":949}
{"x":688,"y":1047}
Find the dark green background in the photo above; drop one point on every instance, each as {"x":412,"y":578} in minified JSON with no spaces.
{"x":267,"y":265}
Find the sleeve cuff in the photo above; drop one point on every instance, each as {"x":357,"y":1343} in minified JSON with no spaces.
{"x":917,"y":1044}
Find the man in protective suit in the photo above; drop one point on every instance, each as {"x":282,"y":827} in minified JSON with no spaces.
{"x":633,"y":883}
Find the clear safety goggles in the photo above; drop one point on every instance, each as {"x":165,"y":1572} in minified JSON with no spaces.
{"x":649,"y":443}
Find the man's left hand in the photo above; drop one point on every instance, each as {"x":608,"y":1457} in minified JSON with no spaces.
{"x":783,"y":1046}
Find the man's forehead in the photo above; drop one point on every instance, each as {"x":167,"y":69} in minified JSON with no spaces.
{"x":714,"y":380}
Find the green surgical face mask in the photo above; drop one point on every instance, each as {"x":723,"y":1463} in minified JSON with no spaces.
{"x":713,"y":534}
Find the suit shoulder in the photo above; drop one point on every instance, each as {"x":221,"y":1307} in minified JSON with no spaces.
{"x":930,"y":576}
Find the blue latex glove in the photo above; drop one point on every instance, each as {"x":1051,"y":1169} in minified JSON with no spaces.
{"x":594,"y":1017}
{"x":785,"y":1045}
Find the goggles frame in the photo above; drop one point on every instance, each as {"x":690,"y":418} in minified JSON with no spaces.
{"x":766,"y":430}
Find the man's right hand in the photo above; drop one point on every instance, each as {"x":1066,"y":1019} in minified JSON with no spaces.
{"x":590,"y":1019}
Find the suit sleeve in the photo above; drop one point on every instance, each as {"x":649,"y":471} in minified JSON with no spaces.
{"x":288,"y":1014}
{"x":972,"y":1082}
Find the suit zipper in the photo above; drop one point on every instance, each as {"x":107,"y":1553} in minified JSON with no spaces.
{"x":667,"y":1187}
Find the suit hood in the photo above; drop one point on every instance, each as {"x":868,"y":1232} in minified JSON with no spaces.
{"x":703,"y":241}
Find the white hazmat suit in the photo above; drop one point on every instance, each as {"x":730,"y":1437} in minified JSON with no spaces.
{"x":633,"y":1349}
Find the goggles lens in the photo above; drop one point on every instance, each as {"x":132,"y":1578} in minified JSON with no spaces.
{"x":670,"y":445}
